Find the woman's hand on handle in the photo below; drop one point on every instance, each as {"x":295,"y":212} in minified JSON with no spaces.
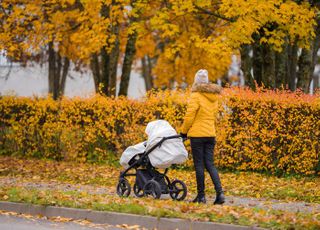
{"x":184,"y":136}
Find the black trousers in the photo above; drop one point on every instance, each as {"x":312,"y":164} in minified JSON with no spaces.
{"x":202,"y":153}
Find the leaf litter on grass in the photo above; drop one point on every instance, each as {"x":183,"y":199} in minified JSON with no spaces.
{"x":91,"y":185}
{"x":243,"y":184}
{"x":268,"y":218}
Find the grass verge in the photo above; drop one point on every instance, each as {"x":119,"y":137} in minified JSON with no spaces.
{"x":164,"y":208}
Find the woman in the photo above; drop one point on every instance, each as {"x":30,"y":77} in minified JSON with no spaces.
{"x":199,"y":126}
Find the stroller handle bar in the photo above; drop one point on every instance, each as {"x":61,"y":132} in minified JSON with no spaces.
{"x":160,"y":142}
{"x":172,"y":137}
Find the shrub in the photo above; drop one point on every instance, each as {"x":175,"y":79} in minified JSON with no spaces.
{"x":273,"y":131}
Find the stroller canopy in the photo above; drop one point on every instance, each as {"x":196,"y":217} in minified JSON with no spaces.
{"x":170,"y":152}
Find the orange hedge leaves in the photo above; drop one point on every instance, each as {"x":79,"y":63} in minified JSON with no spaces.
{"x":271,"y":131}
{"x":277,"y":132}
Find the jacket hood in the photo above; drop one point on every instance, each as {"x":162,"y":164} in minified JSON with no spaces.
{"x":206,"y":88}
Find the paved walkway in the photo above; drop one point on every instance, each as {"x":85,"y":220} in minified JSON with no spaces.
{"x":114,"y":220}
{"x":13,"y":222}
{"x":230,"y":200}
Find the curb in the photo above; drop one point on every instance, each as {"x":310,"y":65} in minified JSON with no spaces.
{"x":114,"y":218}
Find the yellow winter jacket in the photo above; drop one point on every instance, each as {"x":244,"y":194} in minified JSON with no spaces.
{"x":202,"y":110}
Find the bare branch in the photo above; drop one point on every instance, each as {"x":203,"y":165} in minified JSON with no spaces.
{"x":214,"y":14}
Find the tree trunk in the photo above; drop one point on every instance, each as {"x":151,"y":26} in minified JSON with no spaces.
{"x":103,"y":83}
{"x":57,"y":76}
{"x":281,"y":67}
{"x":316,"y":83}
{"x":246,"y":66}
{"x":146,"y":72}
{"x":58,"y":72}
{"x":304,"y":70}
{"x":268,"y":76}
{"x":257,"y":63}
{"x":65,"y":70}
{"x":51,"y":71}
{"x":127,"y":63}
{"x":113,"y":62}
{"x":95,"y":68}
{"x":307,"y":62}
{"x":225,"y":80}
{"x":150,"y":66}
{"x":292,"y":65}
{"x":315,"y":57}
{"x":105,"y":71}
{"x":109,"y":61}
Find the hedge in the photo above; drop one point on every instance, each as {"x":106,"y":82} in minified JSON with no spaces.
{"x":271,"y":131}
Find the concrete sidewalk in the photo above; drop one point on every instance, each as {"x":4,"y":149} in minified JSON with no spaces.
{"x":18,"y":222}
{"x":117,"y":218}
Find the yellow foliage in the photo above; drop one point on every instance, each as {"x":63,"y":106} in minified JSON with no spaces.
{"x":269,"y":131}
{"x":182,"y":36}
{"x":192,"y":38}
{"x":76,"y":28}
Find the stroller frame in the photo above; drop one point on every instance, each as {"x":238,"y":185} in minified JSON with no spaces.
{"x":158,"y":183}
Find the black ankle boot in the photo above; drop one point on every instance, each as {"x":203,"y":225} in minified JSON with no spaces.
{"x":220,"y":199}
{"x":200,"y":199}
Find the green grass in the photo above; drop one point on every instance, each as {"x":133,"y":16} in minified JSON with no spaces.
{"x":128,"y":208}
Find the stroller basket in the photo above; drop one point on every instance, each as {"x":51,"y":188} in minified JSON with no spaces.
{"x":143,"y":176}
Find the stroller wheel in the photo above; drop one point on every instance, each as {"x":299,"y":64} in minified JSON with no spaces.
{"x":152,"y":188}
{"x":178,"y":190}
{"x":123,"y":188}
{"x":137,"y":190}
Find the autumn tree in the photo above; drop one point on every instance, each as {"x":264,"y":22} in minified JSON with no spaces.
{"x":171,"y":39}
{"x":275,"y":61}
{"x":193,"y":34}
{"x":65,"y":30}
{"x":120,"y":45}
{"x":308,"y":57}
{"x":184,"y":42}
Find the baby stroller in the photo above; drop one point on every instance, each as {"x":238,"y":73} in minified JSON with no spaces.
{"x":163,"y":148}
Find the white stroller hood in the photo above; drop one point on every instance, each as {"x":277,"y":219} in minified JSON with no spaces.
{"x":131,"y":152}
{"x":170,"y":152}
